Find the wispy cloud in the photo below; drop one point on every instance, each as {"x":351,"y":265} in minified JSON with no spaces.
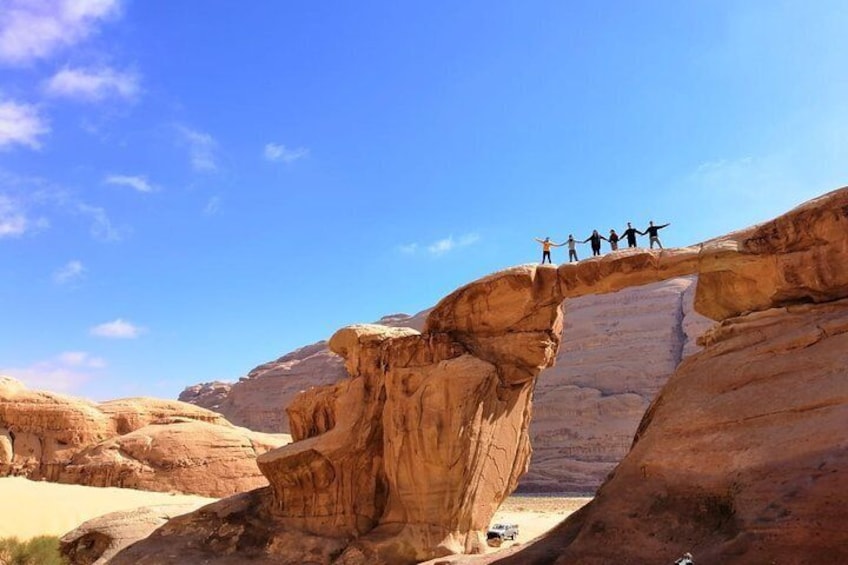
{"x":212,"y":206}
{"x":138,"y":183}
{"x":101,"y":226}
{"x":13,"y":221}
{"x":202,"y":149}
{"x":32,"y":30}
{"x":81,"y":359}
{"x":93,"y":85}
{"x":69,"y":272}
{"x":117,"y":329}
{"x":281,"y":154}
{"x":21,"y":124}
{"x":63,"y":373}
{"x":441,"y":246}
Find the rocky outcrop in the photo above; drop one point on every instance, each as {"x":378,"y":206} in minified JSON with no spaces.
{"x":408,"y":459}
{"x":258,"y":400}
{"x":741,"y":459}
{"x":96,"y":541}
{"x":141,"y":443}
{"x":617,"y":351}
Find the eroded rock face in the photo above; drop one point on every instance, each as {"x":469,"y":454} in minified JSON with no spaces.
{"x":142,"y":443}
{"x":258,"y":401}
{"x":426,"y":418}
{"x":742,"y":458}
{"x":96,"y":541}
{"x":617,"y":352}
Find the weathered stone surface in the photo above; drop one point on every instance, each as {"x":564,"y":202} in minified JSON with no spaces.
{"x":142,"y":443}
{"x":413,"y":453}
{"x":96,"y":541}
{"x":742,"y":458}
{"x":258,"y":401}
{"x":631,"y":340}
{"x":617,"y":351}
{"x":175,"y":454}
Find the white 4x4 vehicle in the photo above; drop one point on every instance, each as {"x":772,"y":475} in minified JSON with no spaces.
{"x":501,"y":532}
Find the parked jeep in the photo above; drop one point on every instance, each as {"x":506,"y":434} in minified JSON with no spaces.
{"x":498,"y":533}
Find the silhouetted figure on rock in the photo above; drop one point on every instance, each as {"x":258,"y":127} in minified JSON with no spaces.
{"x":630,"y":234}
{"x":595,"y":238}
{"x":652,"y":231}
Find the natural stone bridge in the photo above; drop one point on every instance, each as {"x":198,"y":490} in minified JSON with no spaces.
{"x":409,"y":458}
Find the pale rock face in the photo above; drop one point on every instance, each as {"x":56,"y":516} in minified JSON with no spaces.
{"x":617,"y":351}
{"x":144,"y":443}
{"x":741,"y":459}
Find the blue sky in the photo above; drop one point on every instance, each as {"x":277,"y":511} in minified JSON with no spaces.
{"x":189,"y":189}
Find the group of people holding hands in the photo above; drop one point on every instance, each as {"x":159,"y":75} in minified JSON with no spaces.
{"x":595,"y":239}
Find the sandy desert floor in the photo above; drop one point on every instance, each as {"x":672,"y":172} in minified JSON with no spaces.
{"x":535,"y":515}
{"x":35,"y":508}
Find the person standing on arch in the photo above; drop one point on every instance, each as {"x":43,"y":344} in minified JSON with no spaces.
{"x":630,"y":234}
{"x":652,"y":232}
{"x":595,"y":238}
{"x":613,"y":240}
{"x":546,"y":248}
{"x":572,"y":248}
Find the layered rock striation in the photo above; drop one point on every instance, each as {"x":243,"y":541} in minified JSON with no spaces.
{"x":408,"y":458}
{"x":143,"y":443}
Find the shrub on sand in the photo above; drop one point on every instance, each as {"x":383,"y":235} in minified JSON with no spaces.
{"x":41,"y":550}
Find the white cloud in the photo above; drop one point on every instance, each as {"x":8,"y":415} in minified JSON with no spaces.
{"x":64,"y":373}
{"x":202,"y":148}
{"x":280,"y":153}
{"x":21,"y":124}
{"x":117,"y":329}
{"x":101,"y":226}
{"x":93,"y":84}
{"x":33,"y":29}
{"x":69,"y":272}
{"x":448,"y":244}
{"x":138,"y":183}
{"x":441,"y":246}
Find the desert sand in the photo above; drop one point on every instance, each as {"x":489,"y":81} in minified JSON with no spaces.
{"x":43,"y":508}
{"x":34,"y":508}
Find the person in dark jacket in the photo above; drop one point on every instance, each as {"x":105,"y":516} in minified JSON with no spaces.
{"x":613,"y":240}
{"x":595,"y":238}
{"x":652,"y":232}
{"x":630,"y":234}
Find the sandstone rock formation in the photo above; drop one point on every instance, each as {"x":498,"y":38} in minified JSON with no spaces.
{"x":617,"y":351}
{"x":96,"y":541}
{"x":258,"y":400}
{"x":142,"y":443}
{"x":408,"y":458}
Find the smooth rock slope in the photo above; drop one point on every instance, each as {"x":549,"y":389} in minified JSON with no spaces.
{"x":143,"y":443}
